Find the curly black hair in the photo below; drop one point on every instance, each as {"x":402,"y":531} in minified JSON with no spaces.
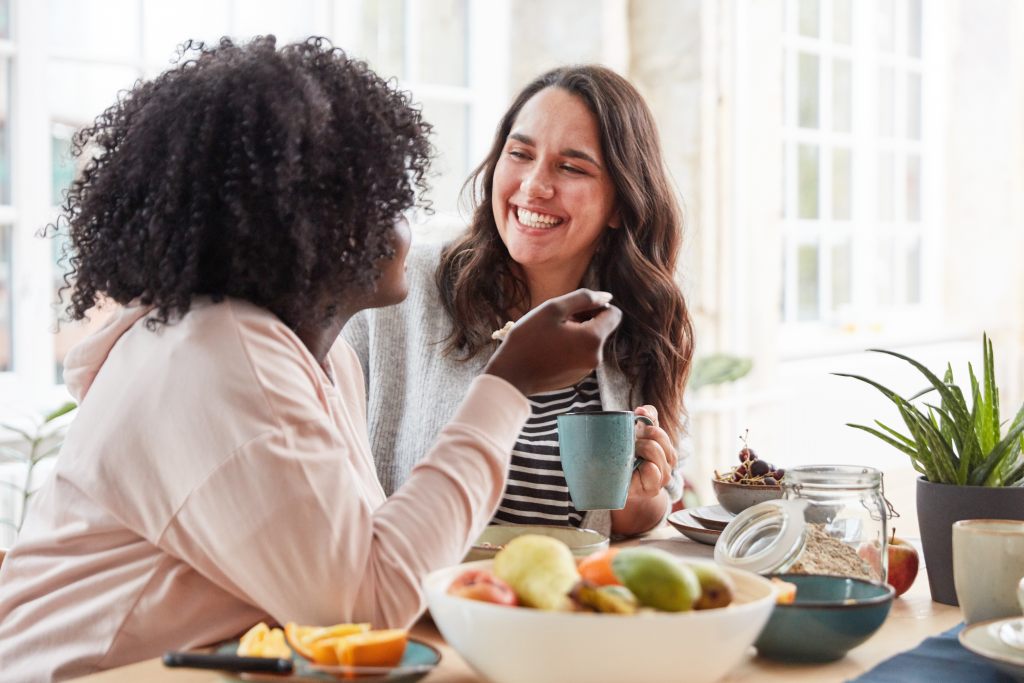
{"x":270,"y":175}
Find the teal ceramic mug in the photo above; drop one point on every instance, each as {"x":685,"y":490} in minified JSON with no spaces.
{"x":598,"y":458}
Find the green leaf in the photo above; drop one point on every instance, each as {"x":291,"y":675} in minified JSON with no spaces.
{"x":896,"y":434}
{"x":11,"y":455}
{"x":988,"y":473}
{"x":991,"y":390}
{"x":20,"y":432}
{"x":62,"y":410}
{"x":909,"y":450}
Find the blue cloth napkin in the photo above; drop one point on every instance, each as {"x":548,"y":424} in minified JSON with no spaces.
{"x":939,"y":658}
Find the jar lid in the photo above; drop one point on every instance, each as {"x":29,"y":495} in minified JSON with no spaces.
{"x":765,"y":538}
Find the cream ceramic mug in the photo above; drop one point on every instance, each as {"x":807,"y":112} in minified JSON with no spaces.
{"x":988,"y":563}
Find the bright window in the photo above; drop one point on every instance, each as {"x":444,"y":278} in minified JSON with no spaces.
{"x":85,"y":51}
{"x":856,"y":236}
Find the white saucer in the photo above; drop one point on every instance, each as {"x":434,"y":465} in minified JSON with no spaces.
{"x":712,"y":516}
{"x":983,"y":640}
{"x":685,"y":524}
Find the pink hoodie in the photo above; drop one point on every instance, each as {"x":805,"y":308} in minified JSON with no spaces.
{"x":216,"y":476}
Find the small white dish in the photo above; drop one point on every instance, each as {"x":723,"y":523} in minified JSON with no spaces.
{"x":712,"y":516}
{"x":684,"y":523}
{"x":983,"y":639}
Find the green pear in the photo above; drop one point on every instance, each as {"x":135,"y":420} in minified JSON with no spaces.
{"x":540,"y":569}
{"x":716,"y":587}
{"x":657,"y":579}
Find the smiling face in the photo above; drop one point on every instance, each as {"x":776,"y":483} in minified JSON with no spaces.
{"x":552,"y":196}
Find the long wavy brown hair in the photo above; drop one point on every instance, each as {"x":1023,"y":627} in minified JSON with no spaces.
{"x":653,"y":346}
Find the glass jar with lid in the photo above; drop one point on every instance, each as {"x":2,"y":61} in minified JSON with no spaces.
{"x":832,"y":520}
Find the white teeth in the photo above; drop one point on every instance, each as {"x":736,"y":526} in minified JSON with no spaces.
{"x":532,"y":219}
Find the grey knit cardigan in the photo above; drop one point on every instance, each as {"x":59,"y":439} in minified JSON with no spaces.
{"x":413,"y":388}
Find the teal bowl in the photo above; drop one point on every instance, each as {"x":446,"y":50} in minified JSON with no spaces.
{"x":830,"y":616}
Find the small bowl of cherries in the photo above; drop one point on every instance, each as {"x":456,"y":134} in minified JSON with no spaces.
{"x":753,"y":481}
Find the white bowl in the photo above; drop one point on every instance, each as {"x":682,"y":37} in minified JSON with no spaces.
{"x":522,"y":645}
{"x":581,"y":542}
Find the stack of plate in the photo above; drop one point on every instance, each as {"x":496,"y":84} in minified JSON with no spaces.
{"x":703,"y":524}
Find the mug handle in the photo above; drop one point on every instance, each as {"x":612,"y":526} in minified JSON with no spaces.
{"x":648,"y":421}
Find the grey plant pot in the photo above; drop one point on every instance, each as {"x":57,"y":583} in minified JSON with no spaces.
{"x":938,"y":506}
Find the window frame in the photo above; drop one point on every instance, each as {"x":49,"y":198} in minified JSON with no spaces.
{"x":31,"y":384}
{"x":864,"y":321}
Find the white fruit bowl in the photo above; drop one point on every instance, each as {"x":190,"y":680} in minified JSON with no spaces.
{"x":522,"y":645}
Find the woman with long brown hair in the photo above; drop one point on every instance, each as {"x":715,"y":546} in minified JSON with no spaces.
{"x":573,"y":192}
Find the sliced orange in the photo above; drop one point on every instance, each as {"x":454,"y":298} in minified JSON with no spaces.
{"x":262,"y":641}
{"x":372,"y":648}
{"x":317,"y":643}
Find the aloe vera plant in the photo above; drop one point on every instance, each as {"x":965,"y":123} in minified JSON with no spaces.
{"x":953,"y":442}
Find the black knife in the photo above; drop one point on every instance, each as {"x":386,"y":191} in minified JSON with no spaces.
{"x":197,"y":660}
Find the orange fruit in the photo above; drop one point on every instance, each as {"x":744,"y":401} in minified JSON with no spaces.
{"x":263,"y":641}
{"x":597,"y":568}
{"x":318,"y":643}
{"x":372,"y":648}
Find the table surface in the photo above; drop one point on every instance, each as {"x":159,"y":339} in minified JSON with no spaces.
{"x":913,"y":618}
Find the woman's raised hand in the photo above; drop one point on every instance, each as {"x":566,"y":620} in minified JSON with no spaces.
{"x":556,"y":344}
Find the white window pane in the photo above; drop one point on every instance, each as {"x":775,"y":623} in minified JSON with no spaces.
{"x":78,"y":93}
{"x":914,"y":28}
{"x":807,"y":282}
{"x":842,"y":275}
{"x":5,"y":18}
{"x":5,"y":298}
{"x":810,"y":14}
{"x":913,"y":198}
{"x":5,"y":132}
{"x":914,"y":106}
{"x":842,"y":21}
{"x":886,"y":189}
{"x":886,"y":101}
{"x":885,"y":25}
{"x":884,"y":273}
{"x":450,"y":169}
{"x":842,"y":179}
{"x":169,"y":24}
{"x":289,"y":20}
{"x":95,"y":29}
{"x":383,"y":36}
{"x":842,"y":95}
{"x":808,"y":90}
{"x":443,"y":40}
{"x":913,"y":272}
{"x":807,"y":162}
{"x":61,"y":163}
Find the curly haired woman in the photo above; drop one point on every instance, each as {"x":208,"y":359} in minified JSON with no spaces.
{"x":240,"y":208}
{"x":572,"y":192}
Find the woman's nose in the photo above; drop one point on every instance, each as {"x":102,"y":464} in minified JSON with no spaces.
{"x":537,"y":184}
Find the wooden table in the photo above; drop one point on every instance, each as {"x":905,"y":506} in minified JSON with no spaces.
{"x":913,"y":618}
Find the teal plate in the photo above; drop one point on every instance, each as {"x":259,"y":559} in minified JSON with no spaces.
{"x":419,"y":660}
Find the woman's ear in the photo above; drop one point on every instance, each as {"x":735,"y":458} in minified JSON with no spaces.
{"x":615,"y":221}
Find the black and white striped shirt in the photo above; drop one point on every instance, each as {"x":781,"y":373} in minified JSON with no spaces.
{"x":536,"y":492}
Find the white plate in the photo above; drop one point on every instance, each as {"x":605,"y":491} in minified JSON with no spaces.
{"x":712,"y":516}
{"x":983,"y":640}
{"x":685,"y":524}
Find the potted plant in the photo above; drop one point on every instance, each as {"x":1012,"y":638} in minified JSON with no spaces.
{"x":31,"y":447}
{"x":969,"y":467}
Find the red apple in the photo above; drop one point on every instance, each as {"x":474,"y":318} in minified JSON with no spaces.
{"x":903,"y":564}
{"x":477,"y":584}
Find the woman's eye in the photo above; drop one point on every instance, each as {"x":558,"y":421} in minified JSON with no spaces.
{"x":572,"y":169}
{"x":518,"y":154}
